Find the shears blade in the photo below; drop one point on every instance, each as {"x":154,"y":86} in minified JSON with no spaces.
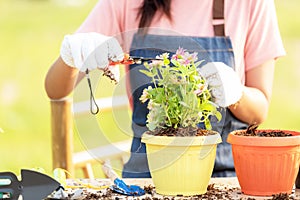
{"x":135,"y":60}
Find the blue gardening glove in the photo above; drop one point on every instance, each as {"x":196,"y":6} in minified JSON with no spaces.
{"x":129,"y":190}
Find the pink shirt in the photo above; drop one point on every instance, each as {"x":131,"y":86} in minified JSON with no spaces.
{"x":251,"y":25}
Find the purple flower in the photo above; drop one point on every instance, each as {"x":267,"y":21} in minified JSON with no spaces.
{"x":180,"y":51}
{"x":184,"y":57}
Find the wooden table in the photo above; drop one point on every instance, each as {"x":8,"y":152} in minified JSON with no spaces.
{"x":224,"y":184}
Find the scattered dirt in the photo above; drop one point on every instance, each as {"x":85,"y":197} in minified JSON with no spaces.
{"x":281,"y":196}
{"x":150,"y":189}
{"x":99,"y":195}
{"x":181,"y":132}
{"x":217,"y":193}
{"x":252,"y":131}
{"x":213,"y":193}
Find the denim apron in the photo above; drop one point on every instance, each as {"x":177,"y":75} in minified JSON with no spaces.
{"x":209,"y":49}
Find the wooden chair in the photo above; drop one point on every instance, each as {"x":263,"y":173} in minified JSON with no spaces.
{"x":63,"y":155}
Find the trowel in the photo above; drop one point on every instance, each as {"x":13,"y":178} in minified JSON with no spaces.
{"x":32,"y":186}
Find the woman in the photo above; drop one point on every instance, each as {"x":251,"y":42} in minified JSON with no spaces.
{"x":243,"y":35}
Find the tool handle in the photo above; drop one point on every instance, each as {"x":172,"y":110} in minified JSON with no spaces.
{"x":123,"y":62}
{"x":109,"y":172}
{"x":126,"y":61}
{"x":10,"y":184}
{"x":5,"y":176}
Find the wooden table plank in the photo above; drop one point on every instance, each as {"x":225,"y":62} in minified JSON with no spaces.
{"x":224,"y":184}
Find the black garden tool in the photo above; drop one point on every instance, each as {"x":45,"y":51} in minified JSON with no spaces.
{"x":33,"y":186}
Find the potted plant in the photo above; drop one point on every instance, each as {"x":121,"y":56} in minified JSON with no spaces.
{"x":180,"y":154}
{"x":266,"y":161}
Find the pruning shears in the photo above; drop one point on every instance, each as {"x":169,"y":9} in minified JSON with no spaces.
{"x":128,"y":60}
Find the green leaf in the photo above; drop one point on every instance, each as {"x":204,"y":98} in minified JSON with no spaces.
{"x":151,"y":126}
{"x":218,"y":115}
{"x":166,"y":61}
{"x":207,"y":106}
{"x":184,"y":104}
{"x":173,"y":102}
{"x":207,"y":125}
{"x":198,"y":63}
{"x":146,"y":72}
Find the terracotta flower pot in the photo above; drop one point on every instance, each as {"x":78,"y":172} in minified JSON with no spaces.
{"x":266,"y":165}
{"x":181,"y":165}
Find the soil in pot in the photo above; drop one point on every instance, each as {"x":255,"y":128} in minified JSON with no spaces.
{"x":252,"y":131}
{"x":181,"y":132}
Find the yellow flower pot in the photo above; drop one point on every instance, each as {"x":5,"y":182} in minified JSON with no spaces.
{"x":181,"y":165}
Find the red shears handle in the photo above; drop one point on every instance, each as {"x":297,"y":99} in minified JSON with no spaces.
{"x":126,"y":61}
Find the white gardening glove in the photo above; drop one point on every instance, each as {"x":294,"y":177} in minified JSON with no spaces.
{"x":224,"y":83}
{"x":90,"y":51}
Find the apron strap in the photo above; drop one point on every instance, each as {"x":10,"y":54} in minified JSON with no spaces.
{"x":218,"y":18}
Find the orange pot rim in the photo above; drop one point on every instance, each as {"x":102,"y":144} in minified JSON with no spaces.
{"x":265,"y":141}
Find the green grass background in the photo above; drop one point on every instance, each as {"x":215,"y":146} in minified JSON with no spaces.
{"x":31,"y":32}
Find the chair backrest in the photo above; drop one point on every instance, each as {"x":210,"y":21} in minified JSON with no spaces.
{"x":63,"y":155}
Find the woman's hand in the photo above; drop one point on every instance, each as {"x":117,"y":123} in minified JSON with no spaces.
{"x":224,"y":83}
{"x":249,"y":103}
{"x":90,"y":51}
{"x":79,"y":52}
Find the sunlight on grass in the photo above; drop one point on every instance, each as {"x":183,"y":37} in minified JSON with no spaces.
{"x":31,"y":33}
